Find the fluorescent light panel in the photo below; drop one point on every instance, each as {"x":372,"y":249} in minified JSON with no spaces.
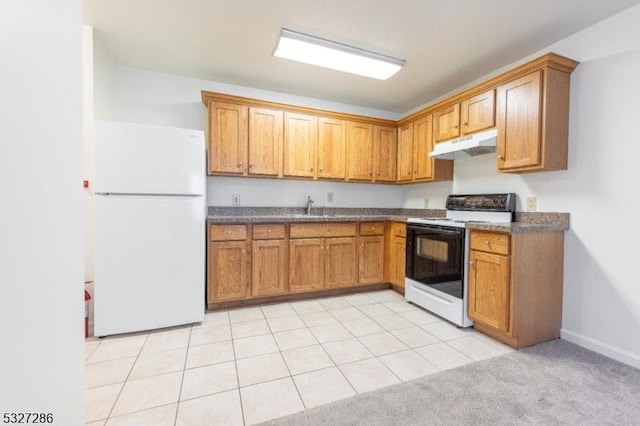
{"x":328,"y":54}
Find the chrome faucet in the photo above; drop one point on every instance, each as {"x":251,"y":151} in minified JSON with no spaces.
{"x":309,"y":204}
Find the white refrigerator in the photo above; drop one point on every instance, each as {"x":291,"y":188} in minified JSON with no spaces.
{"x":150,"y":213}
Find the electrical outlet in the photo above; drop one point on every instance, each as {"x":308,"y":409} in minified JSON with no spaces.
{"x":531,"y":204}
{"x":236,"y":199}
{"x":329,"y":197}
{"x":426,"y":203}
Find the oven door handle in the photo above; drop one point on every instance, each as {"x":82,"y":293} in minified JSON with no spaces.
{"x":435,"y":231}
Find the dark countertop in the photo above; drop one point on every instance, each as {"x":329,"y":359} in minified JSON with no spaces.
{"x":525,"y":221}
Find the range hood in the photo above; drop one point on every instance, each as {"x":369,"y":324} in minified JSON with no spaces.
{"x":476,"y":144}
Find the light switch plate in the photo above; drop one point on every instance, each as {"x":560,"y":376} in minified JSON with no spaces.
{"x":426,"y":203}
{"x":236,"y":199}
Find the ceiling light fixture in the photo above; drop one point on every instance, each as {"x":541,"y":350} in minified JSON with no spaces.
{"x":329,"y":54}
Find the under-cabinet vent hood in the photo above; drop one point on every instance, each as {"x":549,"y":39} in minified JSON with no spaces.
{"x":476,"y":144}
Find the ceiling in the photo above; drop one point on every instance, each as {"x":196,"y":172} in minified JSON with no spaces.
{"x":446,"y":43}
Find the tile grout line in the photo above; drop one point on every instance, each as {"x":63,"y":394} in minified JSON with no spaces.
{"x":184,"y":368}
{"x":235,"y":363}
{"x":126,"y":378}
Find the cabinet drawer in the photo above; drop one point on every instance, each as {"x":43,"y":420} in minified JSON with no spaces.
{"x":400,"y":230}
{"x":268,"y":232}
{"x":371,"y":228}
{"x":322,"y":230}
{"x":490,"y":242}
{"x":227,"y":232}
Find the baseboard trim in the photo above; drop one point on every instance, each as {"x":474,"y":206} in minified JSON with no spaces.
{"x":601,"y":348}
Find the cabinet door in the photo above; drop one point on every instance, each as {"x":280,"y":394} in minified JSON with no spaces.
{"x":422,"y":146}
{"x":446,"y":123}
{"x":385,"y":145}
{"x":519,"y":109}
{"x":360,"y":158}
{"x":489,"y":297}
{"x":306,"y":265}
{"x":228,"y":277}
{"x":405,"y":153}
{"x":265,"y":141}
{"x":300,"y":144}
{"x":371,"y":260}
{"x":340,"y":262}
{"x":268,"y":265}
{"x":399,"y":248}
{"x":228,"y":134}
{"x":478,"y":112}
{"x":332,"y":137}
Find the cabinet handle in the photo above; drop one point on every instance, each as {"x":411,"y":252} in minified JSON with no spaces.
{"x":486,"y":242}
{"x":455,"y":126}
{"x":500,"y":157}
{"x":466,"y":123}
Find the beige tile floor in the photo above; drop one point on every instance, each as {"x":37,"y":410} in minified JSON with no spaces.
{"x":248,"y":365}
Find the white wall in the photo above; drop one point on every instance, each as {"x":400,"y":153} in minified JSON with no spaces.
{"x":601,"y":297}
{"x":41,"y":210}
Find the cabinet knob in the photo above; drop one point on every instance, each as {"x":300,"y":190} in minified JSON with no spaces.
{"x":471,"y":262}
{"x":320,"y":169}
{"x":466,"y":123}
{"x":243,"y":251}
{"x":362,"y":245}
{"x":486,"y":242}
{"x":455,"y":126}
{"x":229,"y":232}
{"x":500,"y":157}
{"x":240,"y":163}
{"x":311,"y":169}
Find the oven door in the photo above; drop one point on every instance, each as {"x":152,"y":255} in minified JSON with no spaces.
{"x":435,"y":257}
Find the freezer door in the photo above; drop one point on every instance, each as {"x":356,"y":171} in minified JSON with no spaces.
{"x":149,"y":262}
{"x":142,"y":159}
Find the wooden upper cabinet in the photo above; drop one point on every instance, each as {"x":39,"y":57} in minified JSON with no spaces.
{"x":385,"y":145}
{"x":422,"y":146}
{"x":332,"y":144}
{"x":266,"y":127}
{"x":300,"y":144}
{"x":519,"y":122}
{"x":405,"y":153}
{"x":478,"y":112}
{"x":228,"y":134}
{"x":446,"y":123}
{"x":360,"y":151}
{"x":532,"y":122}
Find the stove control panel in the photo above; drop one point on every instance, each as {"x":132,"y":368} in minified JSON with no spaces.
{"x":483,"y":202}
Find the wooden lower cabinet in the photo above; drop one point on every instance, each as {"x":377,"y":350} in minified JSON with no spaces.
{"x":395,"y":254}
{"x":228,"y":271}
{"x":259,"y":261}
{"x":306,"y":264}
{"x":515,"y":285}
{"x":268,"y":267}
{"x":322,"y":263}
{"x":371,"y":259}
{"x":340,"y":262}
{"x":489,"y":289}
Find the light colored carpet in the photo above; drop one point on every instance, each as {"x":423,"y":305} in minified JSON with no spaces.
{"x":554,"y":383}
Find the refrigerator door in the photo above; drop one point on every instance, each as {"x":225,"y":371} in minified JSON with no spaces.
{"x":135,"y":158}
{"x":149,"y":262}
